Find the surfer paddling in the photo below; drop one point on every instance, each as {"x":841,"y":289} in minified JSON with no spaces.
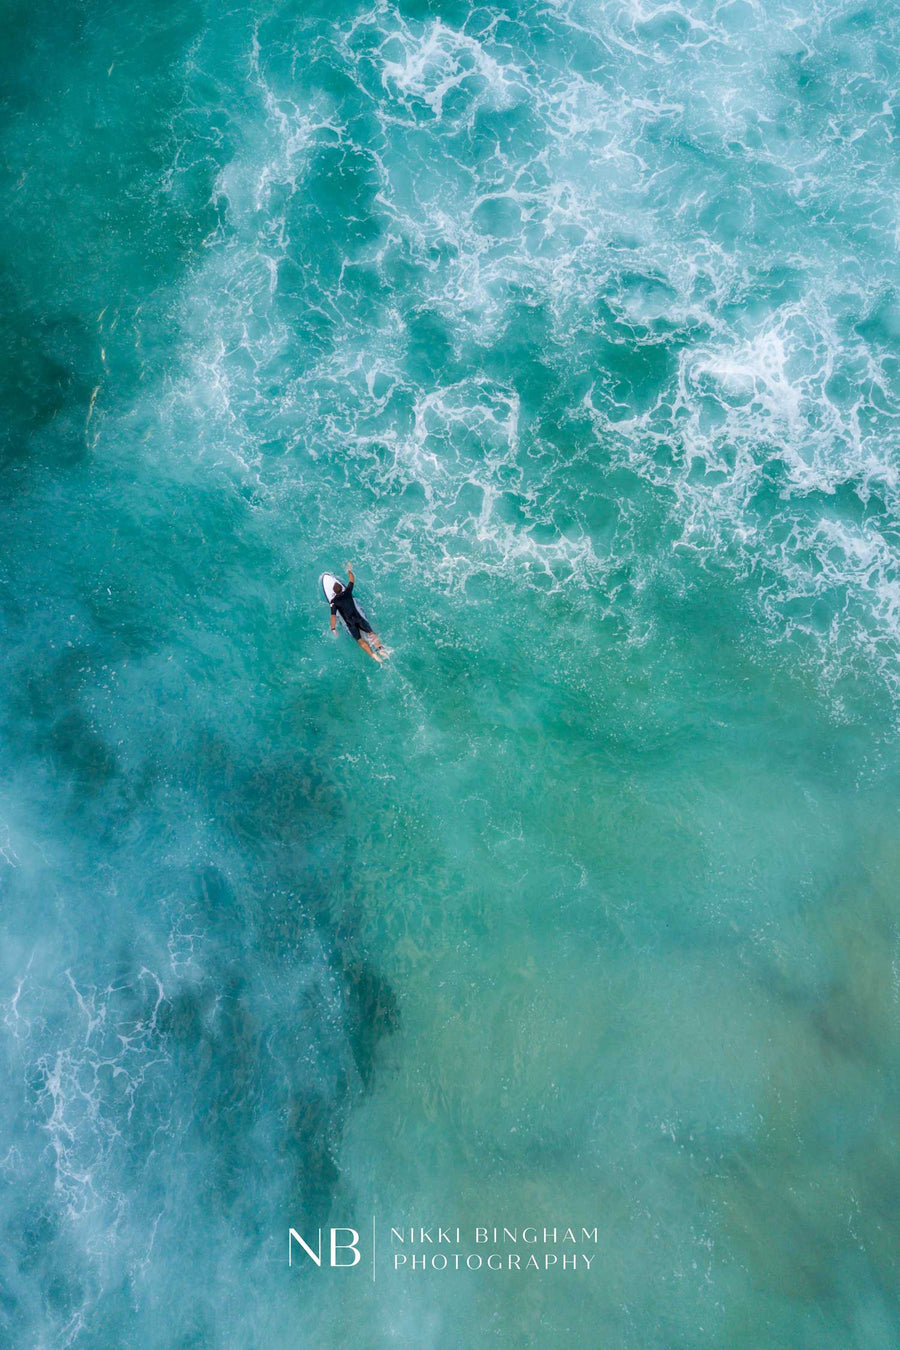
{"x":358,"y":625}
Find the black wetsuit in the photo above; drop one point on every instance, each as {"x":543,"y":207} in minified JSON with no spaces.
{"x":345,"y":605}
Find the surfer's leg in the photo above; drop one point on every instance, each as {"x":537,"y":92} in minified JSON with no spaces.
{"x":375,"y":640}
{"x":366,"y":648}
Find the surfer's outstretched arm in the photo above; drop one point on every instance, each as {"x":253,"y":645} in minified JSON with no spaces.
{"x":350,"y":577}
{"x":333,"y":621}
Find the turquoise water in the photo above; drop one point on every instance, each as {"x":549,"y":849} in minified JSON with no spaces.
{"x":574,"y":326}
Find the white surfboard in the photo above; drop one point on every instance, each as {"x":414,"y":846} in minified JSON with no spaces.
{"x":328,"y":580}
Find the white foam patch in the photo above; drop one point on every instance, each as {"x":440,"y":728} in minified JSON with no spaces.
{"x":425,"y":64}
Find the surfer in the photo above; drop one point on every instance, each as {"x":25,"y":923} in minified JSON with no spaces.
{"x":343,"y":603}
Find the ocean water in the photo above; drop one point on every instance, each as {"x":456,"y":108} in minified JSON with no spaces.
{"x":575,"y":327}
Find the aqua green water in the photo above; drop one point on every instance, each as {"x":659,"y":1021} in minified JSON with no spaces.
{"x":575,"y":327}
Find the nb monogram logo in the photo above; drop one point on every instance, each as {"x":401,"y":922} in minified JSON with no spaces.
{"x":334,"y":1246}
